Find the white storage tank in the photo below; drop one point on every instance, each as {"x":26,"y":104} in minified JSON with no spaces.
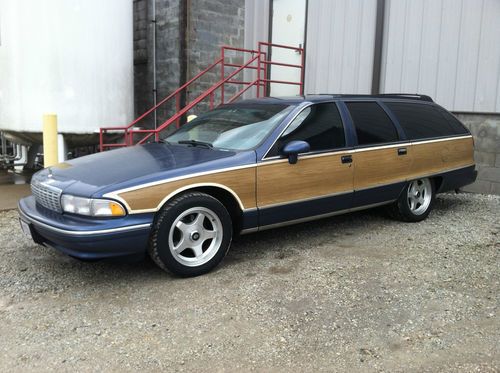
{"x":69,"y":57}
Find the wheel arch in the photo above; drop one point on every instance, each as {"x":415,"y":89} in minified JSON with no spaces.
{"x":222,"y":193}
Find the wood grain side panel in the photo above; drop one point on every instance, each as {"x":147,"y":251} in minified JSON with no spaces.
{"x":381,"y":166}
{"x":308,"y":178}
{"x":242,"y":182}
{"x":429,"y":158}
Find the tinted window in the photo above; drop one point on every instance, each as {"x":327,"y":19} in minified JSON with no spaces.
{"x":458,"y":127}
{"x":372,"y":124}
{"x":320,"y":125}
{"x":425,"y":121}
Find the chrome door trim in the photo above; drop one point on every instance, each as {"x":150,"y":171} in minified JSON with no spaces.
{"x":314,"y":217}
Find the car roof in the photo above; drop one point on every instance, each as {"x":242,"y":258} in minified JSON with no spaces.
{"x":295,"y":100}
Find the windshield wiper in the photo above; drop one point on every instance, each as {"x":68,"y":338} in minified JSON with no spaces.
{"x":196,"y":143}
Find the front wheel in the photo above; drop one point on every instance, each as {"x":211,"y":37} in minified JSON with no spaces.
{"x":415,"y":202}
{"x":191,"y":234}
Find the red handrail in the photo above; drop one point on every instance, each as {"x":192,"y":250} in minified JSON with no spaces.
{"x":262,"y":80}
{"x":191,"y":104}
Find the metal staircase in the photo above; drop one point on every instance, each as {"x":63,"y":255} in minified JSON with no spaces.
{"x":258,"y":61}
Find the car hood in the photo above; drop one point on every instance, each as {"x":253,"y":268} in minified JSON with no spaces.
{"x":100,"y":173}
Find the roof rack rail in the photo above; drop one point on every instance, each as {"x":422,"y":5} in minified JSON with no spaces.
{"x":412,"y":96}
{"x":409,"y":96}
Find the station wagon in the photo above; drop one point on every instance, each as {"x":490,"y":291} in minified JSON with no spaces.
{"x":249,"y":166}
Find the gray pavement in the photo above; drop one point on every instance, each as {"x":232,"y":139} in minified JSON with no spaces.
{"x":355,"y":293}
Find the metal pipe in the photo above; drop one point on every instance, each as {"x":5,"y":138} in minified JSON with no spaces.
{"x":4,"y":144}
{"x":183,"y":53}
{"x":280,"y":81}
{"x":153,"y":21}
{"x":22,"y":160}
{"x":378,"y":46}
{"x":281,"y":64}
{"x":297,"y":49}
{"x":222,"y":57}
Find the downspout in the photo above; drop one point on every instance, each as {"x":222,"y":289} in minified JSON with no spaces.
{"x":155,"y":94}
{"x":183,"y":53}
{"x":378,"y":45}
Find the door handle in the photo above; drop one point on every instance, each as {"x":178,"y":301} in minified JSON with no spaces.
{"x":346,"y":159}
{"x":402,"y":151}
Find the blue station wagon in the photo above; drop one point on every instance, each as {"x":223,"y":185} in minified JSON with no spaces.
{"x":249,"y":166}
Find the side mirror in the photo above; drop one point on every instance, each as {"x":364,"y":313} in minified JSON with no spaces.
{"x":293,"y":148}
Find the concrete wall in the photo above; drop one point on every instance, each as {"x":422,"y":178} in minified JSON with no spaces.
{"x":213,"y":23}
{"x":486,"y":131}
{"x":188,"y":38}
{"x":168,"y":55}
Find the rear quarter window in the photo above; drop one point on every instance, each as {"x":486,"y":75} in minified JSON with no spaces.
{"x":425,"y":121}
{"x":372,"y":124}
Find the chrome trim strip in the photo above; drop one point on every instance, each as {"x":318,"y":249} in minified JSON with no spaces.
{"x":82,"y":233}
{"x":277,"y":159}
{"x":177,"y":178}
{"x":363,"y":149}
{"x":249,"y":230}
{"x":315,"y":217}
{"x":380,"y":147}
{"x":305,"y":199}
{"x":442,"y":139}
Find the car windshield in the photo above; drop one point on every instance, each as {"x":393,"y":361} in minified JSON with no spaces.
{"x":233,"y":127}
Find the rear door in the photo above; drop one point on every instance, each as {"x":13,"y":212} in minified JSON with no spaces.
{"x":320,"y":183}
{"x":382,"y":158}
{"x":431,"y":130}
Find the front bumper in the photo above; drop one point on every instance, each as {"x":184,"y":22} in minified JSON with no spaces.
{"x":84,"y":237}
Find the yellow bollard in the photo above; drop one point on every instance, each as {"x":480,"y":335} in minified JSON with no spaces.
{"x":50,"y":150}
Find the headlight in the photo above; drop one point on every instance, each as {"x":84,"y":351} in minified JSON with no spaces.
{"x":91,"y":207}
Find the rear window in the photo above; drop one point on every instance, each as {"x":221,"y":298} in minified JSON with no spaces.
{"x":372,"y":124}
{"x":425,"y":121}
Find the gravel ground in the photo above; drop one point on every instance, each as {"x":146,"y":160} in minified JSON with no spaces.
{"x":357,"y":292}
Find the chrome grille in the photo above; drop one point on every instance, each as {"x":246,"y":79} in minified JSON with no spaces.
{"x":46,"y":195}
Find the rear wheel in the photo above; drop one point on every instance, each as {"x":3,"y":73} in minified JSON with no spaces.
{"x":416,"y":201}
{"x":191,"y":235}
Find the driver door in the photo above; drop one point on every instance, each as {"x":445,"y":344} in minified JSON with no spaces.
{"x":320,"y":183}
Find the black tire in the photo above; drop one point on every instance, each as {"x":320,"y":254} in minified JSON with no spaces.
{"x":163,"y":233}
{"x":402,"y":209}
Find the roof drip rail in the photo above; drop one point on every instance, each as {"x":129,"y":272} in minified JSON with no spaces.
{"x":410,"y":96}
